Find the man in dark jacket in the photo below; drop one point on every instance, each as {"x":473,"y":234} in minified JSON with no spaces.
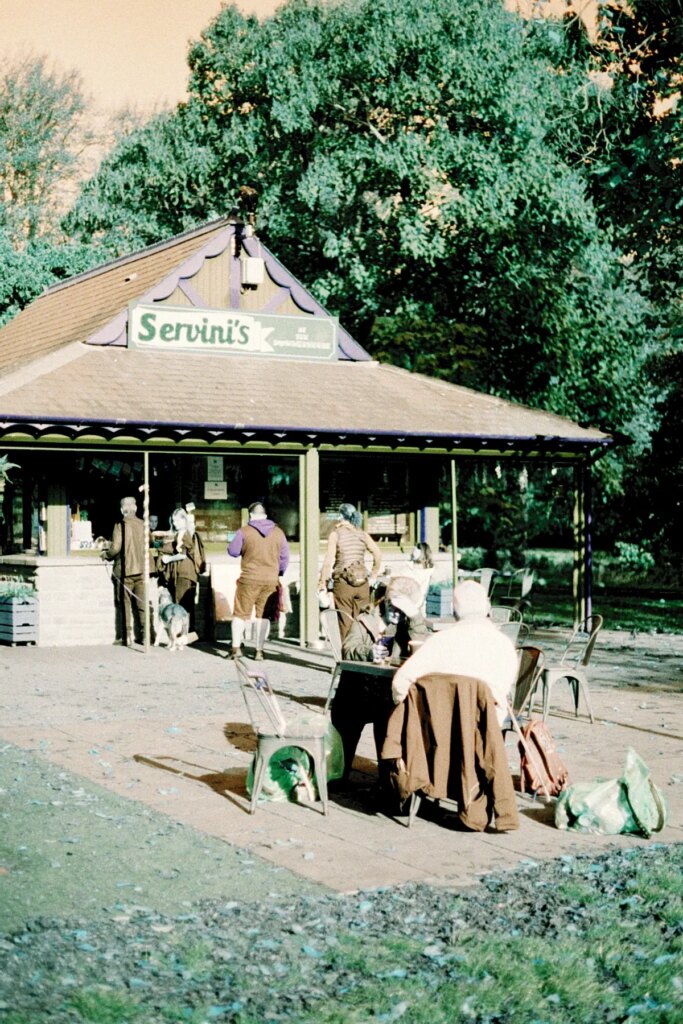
{"x":264,"y":551}
{"x":127,"y":552}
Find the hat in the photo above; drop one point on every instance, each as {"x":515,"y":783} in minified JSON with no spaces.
{"x":470,"y":601}
{"x":405,"y":604}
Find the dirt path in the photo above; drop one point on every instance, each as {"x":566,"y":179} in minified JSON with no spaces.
{"x":127,"y":771}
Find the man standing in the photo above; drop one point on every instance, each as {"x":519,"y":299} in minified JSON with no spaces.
{"x":127,"y":551}
{"x":473,"y":647}
{"x":265,"y":556}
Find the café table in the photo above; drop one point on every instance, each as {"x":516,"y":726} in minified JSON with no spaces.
{"x":363,"y":697}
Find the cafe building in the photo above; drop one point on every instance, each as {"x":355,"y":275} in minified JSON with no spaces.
{"x":199,"y":371}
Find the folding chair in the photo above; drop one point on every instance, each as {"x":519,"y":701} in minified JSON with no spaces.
{"x":274,"y":732}
{"x":572,"y":665}
{"x":531,"y":662}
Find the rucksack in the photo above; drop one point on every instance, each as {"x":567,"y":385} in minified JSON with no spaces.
{"x":543,"y":766}
{"x":355,"y":574}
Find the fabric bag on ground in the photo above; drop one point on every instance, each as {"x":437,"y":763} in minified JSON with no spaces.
{"x":629,"y":804}
{"x":290,"y":776}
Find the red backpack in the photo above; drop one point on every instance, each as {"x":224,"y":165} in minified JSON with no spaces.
{"x":541,"y":767}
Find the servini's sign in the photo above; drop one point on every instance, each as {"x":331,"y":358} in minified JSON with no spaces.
{"x":188,"y":329}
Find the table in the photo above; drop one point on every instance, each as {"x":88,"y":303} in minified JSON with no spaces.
{"x":363,"y":696}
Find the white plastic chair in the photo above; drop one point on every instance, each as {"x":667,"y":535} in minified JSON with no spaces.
{"x":273,"y":731}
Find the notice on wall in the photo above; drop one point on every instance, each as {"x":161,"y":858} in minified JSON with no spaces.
{"x":214,"y":467}
{"x":215,"y":490}
{"x":160,"y":328}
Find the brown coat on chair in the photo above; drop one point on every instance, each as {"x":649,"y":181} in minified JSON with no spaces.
{"x":447,"y":734}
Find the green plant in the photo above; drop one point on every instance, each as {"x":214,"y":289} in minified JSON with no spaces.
{"x":633,"y":557}
{"x":5,"y":466}
{"x":15,"y":588}
{"x":104,"y":1006}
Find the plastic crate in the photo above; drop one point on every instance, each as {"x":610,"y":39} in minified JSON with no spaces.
{"x":18,"y":620}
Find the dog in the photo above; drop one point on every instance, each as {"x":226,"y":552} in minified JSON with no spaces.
{"x":174,"y":620}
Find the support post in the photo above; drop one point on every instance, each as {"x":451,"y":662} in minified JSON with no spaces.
{"x":583,"y":555}
{"x":588,"y":539}
{"x":58,"y":521}
{"x":309,"y":536}
{"x":145,"y":519}
{"x":454,"y":520}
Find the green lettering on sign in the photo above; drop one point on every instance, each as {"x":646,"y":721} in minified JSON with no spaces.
{"x":156,"y":327}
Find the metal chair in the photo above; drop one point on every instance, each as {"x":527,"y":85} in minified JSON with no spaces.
{"x":440,"y":756}
{"x":486,"y":578}
{"x":572,"y":665}
{"x":519,"y":586}
{"x":273,"y":732}
{"x":329,"y":618}
{"x":511,"y":630}
{"x":500,"y":614}
{"x":531,"y":662}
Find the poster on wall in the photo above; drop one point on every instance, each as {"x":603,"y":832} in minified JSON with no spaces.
{"x":215,"y":490}
{"x":214,"y":467}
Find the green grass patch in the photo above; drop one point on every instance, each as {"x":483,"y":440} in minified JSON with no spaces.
{"x":620,"y":609}
{"x":104,"y":1006}
{"x":580,"y":940}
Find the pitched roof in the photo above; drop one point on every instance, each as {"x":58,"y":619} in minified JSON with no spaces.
{"x":63,"y":360}
{"x":84,"y":308}
{"x":256,"y":395}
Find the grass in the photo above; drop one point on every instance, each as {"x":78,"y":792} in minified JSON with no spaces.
{"x":620,"y":608}
{"x":104,"y":1006}
{"x":614,"y":953}
{"x":622,"y":962}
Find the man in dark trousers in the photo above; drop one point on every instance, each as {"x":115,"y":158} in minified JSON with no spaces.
{"x":265,"y":556}
{"x":127,"y":552}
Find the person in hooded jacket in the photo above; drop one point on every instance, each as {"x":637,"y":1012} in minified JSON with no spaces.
{"x":264,"y":551}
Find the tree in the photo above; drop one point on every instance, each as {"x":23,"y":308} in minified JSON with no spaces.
{"x":41,"y":138}
{"x":26,"y":272}
{"x":632,"y":150}
{"x":42,"y":135}
{"x":410,"y":161}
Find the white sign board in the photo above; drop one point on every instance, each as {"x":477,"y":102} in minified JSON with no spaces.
{"x":215,"y":490}
{"x":162,"y":328}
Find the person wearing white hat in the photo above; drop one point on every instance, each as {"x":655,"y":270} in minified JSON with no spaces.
{"x":473,"y":646}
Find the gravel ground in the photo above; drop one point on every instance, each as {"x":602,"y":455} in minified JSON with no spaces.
{"x":105,"y":896}
{"x":226,"y":961}
{"x":102,"y":898}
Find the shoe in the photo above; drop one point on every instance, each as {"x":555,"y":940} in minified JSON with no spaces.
{"x":258,"y":655}
{"x":236,"y":652}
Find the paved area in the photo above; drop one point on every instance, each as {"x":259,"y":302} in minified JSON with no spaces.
{"x":170,"y":731}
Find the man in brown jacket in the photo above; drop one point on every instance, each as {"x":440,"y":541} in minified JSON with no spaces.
{"x":264,"y":551}
{"x":127,"y":552}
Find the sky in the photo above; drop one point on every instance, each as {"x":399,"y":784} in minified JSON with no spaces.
{"x":129,"y":52}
